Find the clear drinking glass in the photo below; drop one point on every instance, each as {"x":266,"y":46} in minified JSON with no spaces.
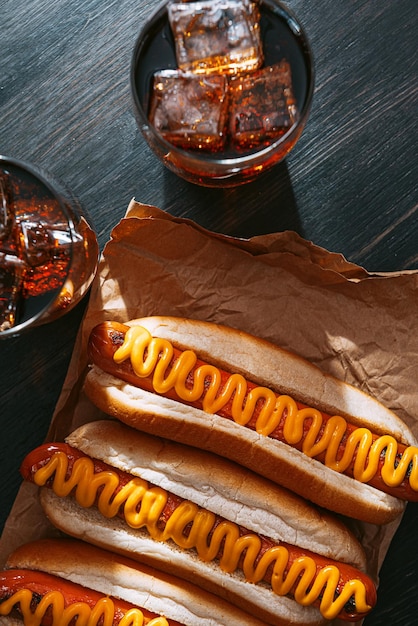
{"x":48,"y":251}
{"x":282,"y":39}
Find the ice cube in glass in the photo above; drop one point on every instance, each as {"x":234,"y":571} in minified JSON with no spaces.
{"x":262,"y":106}
{"x":190,"y":110}
{"x":12,"y":271}
{"x":220,"y":36}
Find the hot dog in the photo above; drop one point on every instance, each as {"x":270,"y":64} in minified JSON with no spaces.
{"x":205,"y":519}
{"x":233,"y":394}
{"x":80,"y":579}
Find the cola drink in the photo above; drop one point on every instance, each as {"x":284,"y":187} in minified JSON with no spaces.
{"x":48,"y":251}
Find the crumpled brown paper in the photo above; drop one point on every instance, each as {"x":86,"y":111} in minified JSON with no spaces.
{"x":361,"y":327}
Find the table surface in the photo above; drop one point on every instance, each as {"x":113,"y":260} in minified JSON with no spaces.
{"x":350,"y":184}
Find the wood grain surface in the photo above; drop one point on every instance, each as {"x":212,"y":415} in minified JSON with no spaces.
{"x":350,"y":185}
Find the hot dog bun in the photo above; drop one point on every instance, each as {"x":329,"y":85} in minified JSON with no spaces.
{"x":218,"y":485}
{"x":123,"y":578}
{"x":267,"y":365}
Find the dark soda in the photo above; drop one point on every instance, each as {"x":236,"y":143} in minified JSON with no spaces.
{"x":281,"y":40}
{"x":48,"y":253}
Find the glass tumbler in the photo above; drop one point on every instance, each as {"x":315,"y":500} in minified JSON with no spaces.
{"x":283,"y":40}
{"x":48,"y":251}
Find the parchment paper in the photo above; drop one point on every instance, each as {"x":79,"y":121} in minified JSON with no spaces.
{"x":361,"y":327}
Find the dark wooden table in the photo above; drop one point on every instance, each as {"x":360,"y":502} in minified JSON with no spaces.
{"x":350,"y":185}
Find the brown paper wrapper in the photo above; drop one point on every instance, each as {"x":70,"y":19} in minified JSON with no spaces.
{"x":360,"y":327}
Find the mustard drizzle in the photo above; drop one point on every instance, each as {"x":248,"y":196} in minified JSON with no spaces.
{"x":191,"y":527}
{"x":62,"y":615}
{"x":151,"y":356}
